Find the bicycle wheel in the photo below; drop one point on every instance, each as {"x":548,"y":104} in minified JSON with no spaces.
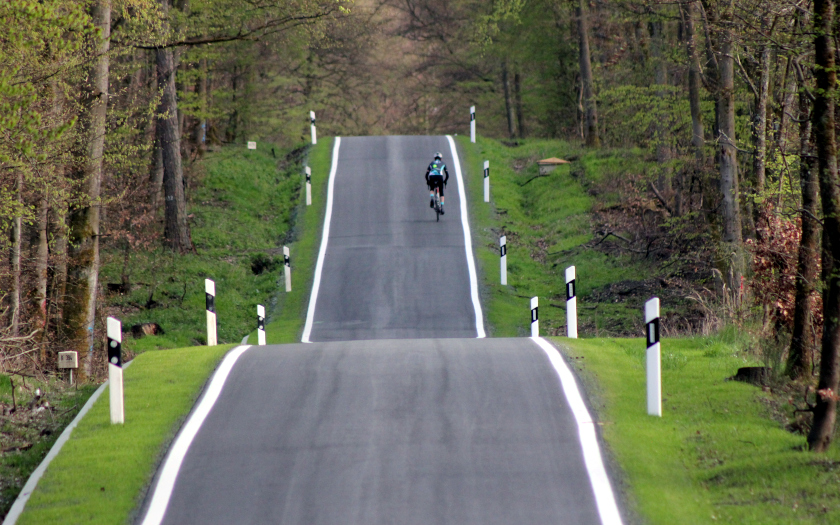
{"x":437,"y":205}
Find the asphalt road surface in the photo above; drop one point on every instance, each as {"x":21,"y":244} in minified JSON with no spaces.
{"x":391,"y":271}
{"x":396,"y":413}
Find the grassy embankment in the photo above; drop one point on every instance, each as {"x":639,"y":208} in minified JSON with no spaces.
{"x":243,"y":211}
{"x":547,"y":224}
{"x":717,"y":454}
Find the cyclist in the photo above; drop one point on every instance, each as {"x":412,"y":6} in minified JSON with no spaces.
{"x":435,"y":178}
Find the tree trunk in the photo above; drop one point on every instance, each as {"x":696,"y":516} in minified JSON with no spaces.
{"x":59,"y":290}
{"x":509,"y":109}
{"x":689,"y":13}
{"x":157,"y":172}
{"x":17,"y":231}
{"x":732,"y":248}
{"x":590,"y":127}
{"x":83,"y":245}
{"x":201,"y":88}
{"x":41,"y":269}
{"x":761,"y":116}
{"x":800,"y":357}
{"x":168,"y":135}
{"x":517,"y":97}
{"x":822,"y":430}
{"x":663,"y":147}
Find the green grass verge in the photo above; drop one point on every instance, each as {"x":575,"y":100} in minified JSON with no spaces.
{"x":245,"y":206}
{"x":717,"y":454}
{"x":547,"y":224}
{"x":288,"y":314}
{"x":101,"y":472}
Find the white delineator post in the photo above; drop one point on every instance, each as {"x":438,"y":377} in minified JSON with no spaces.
{"x":535,"y":318}
{"x":115,"y":371}
{"x":486,"y":181}
{"x":308,"y":186}
{"x":287,"y":268}
{"x":260,"y":324}
{"x":571,"y":303}
{"x":312,"y":125}
{"x":503,"y":257}
{"x":653,"y":358}
{"x":210,"y":302}
{"x":472,"y":124}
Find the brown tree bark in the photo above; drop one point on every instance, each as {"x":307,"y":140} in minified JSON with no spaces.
{"x":590,"y":116}
{"x":168,"y":135}
{"x":509,"y":109}
{"x":200,"y":132}
{"x":732,"y":250}
{"x":517,"y":97}
{"x":83,"y":246}
{"x":760,"y":159}
{"x":800,"y":357}
{"x":59,"y":287}
{"x":41,"y":269}
{"x":663,"y":146}
{"x":825,"y":411}
{"x":689,"y":14}
{"x":157,"y":173}
{"x":16,"y":236}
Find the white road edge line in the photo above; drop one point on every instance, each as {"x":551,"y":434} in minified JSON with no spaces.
{"x":465,"y":224}
{"x":35,"y":477}
{"x":178,"y":450}
{"x":319,"y":266}
{"x":604,"y":496}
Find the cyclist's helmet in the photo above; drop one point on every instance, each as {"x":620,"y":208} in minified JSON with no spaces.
{"x":438,"y":155}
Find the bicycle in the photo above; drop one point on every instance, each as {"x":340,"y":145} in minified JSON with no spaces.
{"x":437,"y":203}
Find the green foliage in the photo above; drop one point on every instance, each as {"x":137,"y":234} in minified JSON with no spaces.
{"x":647,"y":116}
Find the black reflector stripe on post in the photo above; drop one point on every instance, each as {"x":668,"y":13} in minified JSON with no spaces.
{"x":653,"y":332}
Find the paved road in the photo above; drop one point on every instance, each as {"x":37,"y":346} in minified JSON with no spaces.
{"x":446,"y":431}
{"x":391,"y":271}
{"x":396,"y":414}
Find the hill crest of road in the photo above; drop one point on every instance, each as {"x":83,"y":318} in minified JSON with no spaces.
{"x":396,"y":410}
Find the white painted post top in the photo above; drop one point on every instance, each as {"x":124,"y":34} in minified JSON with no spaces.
{"x":534,"y":302}
{"x":308,"y":170}
{"x":286,"y":251}
{"x":503,"y":240}
{"x":261,"y":310}
{"x":472,"y":109}
{"x":487,"y":164}
{"x":651,"y":310}
{"x":312,"y":115}
{"x":114,"y":329}
{"x":210,"y":287}
{"x":570,"y":274}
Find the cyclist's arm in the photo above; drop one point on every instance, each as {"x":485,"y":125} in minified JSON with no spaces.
{"x":446,"y":172}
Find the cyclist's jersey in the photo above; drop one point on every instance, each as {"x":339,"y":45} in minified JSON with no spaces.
{"x":437,"y":167}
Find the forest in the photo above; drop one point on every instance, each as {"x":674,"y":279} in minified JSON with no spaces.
{"x":106,"y":106}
